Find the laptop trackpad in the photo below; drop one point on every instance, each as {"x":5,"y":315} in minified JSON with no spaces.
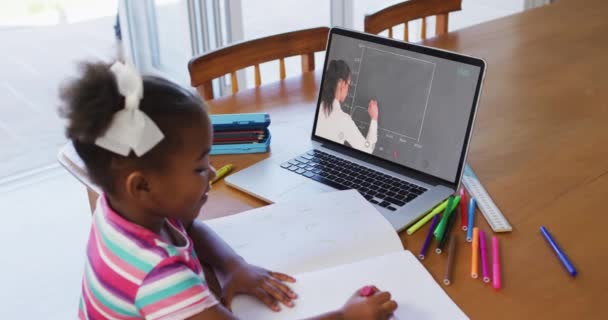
{"x":303,"y":190}
{"x":268,"y":181}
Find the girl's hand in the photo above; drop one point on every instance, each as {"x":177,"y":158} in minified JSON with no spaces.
{"x":377,"y":306}
{"x":265,"y":285}
{"x":372,"y":109}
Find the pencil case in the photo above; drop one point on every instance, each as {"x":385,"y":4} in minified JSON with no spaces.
{"x":240,"y":121}
{"x":242,"y":148}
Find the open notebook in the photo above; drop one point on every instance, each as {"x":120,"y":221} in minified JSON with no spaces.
{"x":332,"y":244}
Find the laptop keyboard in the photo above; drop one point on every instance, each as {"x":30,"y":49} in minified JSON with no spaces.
{"x":377,"y":187}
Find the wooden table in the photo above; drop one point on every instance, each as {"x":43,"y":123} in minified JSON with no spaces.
{"x":540,"y":147}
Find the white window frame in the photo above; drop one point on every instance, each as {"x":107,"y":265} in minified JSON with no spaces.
{"x":140,"y":44}
{"x":342,"y":13}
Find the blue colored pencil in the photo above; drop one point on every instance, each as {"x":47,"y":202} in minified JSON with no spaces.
{"x":471,"y":219}
{"x":558,"y":251}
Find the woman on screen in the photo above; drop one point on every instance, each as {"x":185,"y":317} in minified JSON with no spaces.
{"x":333,"y":123}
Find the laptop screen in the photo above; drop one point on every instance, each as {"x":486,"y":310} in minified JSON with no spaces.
{"x":404,"y":106}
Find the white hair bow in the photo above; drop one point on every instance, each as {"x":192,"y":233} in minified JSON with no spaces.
{"x":131,"y":129}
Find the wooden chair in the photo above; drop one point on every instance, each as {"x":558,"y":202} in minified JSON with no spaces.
{"x":204,"y":68}
{"x":407,"y":11}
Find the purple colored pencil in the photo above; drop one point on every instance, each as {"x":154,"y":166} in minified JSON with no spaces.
{"x":484,"y":257}
{"x":429,"y":235}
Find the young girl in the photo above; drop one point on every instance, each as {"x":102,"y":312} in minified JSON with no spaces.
{"x":337,"y":125}
{"x":146,"y":143}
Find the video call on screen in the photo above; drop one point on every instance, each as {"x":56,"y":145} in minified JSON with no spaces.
{"x":424,"y":103}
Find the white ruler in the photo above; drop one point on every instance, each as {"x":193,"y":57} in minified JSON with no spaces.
{"x":495,"y":218}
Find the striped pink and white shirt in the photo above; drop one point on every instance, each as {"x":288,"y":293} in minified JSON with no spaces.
{"x":131,"y":273}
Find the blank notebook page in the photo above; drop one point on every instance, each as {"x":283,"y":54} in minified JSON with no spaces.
{"x":299,"y":236}
{"x":418,"y":295}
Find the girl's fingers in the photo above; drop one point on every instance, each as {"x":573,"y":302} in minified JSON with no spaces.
{"x":263,"y":296}
{"x":276,"y":293}
{"x":282,"y":276}
{"x":389,"y":307}
{"x":381,"y":297}
{"x":284,"y":288}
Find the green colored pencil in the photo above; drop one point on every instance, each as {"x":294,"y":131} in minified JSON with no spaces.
{"x":440,"y":230}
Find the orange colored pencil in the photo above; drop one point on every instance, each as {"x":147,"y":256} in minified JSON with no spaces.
{"x":475,"y":254}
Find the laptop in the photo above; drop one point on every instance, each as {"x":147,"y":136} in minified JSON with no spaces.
{"x":393,"y":120}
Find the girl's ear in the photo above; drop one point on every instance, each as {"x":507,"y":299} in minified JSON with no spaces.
{"x":137,"y":186}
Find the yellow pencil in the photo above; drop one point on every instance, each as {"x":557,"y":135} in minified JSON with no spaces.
{"x":427,"y":218}
{"x":222,"y":172}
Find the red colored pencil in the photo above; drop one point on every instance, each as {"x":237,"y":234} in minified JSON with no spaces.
{"x":463,"y":209}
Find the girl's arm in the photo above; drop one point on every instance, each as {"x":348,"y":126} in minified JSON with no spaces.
{"x":235,"y":274}
{"x":212,"y":249}
{"x":217,"y":312}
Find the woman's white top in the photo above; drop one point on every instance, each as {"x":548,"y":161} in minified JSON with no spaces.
{"x":338,"y":126}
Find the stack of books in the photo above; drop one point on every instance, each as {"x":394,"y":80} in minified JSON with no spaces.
{"x":240,"y":133}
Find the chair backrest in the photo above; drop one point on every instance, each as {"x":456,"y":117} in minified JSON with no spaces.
{"x":204,"y":68}
{"x":407,"y":11}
